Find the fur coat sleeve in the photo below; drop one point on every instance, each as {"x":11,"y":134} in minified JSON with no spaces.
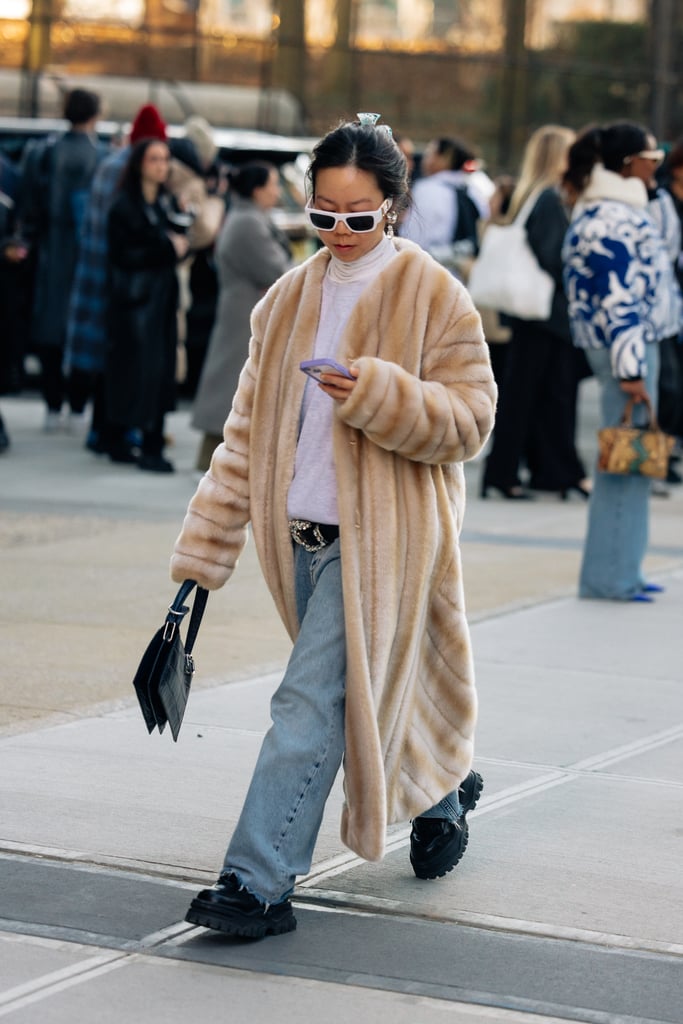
{"x":423,"y":403}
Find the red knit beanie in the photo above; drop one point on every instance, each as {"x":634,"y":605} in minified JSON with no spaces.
{"x":147,"y":125}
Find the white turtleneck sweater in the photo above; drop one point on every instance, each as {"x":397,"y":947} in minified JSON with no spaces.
{"x":313,"y":491}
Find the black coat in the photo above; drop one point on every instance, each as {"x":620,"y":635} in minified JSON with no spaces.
{"x":56,"y":177}
{"x":141,"y":314}
{"x":546,"y":227}
{"x":14,"y":298}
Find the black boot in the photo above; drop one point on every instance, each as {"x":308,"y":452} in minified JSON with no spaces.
{"x":436,"y":844}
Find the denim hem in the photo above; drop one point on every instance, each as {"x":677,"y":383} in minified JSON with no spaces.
{"x":227,"y":870}
{"x":587,"y":595}
{"x":448,"y":809}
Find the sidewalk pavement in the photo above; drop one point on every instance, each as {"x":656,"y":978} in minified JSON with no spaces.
{"x":567,"y":905}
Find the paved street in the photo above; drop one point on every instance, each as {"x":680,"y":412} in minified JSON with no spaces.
{"x":567,"y":905}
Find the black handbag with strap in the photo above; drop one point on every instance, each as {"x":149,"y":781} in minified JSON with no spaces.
{"x":164,"y":676}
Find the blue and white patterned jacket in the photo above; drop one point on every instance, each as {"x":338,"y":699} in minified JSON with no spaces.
{"x":617,"y":273}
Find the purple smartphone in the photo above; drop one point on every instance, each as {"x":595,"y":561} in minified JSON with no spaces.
{"x":314,"y":367}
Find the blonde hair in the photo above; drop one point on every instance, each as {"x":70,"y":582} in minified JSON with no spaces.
{"x":543,"y":164}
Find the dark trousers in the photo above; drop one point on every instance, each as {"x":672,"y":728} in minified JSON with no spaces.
{"x":670,"y":389}
{"x":153,"y":440}
{"x":115,"y":439}
{"x":98,"y":422}
{"x":56,"y":388}
{"x":536,"y":418}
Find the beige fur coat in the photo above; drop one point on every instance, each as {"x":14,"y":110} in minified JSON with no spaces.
{"x":424,"y":402}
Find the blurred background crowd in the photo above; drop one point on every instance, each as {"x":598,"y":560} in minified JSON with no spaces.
{"x":117,"y":265}
{"x":129,"y":265}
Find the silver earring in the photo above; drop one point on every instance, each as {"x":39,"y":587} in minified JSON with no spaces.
{"x":391,"y":219}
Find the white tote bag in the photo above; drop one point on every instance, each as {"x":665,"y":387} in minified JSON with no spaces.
{"x":506,"y":275}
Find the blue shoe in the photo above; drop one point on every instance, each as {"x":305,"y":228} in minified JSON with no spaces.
{"x":652,"y":588}
{"x":642,"y":598}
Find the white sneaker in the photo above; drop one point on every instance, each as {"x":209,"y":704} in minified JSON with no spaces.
{"x":76,"y":423}
{"x":53,"y":421}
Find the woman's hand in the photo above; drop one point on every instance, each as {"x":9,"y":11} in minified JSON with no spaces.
{"x":336,"y":386}
{"x":636,"y":389}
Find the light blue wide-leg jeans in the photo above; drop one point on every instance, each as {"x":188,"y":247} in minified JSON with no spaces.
{"x":618,"y":510}
{"x":302,"y":751}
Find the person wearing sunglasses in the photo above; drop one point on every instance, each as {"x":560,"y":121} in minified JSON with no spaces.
{"x":622,"y":301}
{"x":352,"y":482}
{"x":358,"y":223}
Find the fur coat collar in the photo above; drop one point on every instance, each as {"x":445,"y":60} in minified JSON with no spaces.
{"x":604,"y":184}
{"x":423,"y":403}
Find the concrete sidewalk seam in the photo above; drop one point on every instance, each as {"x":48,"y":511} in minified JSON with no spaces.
{"x":57,"y":981}
{"x":555,"y":776}
{"x":360,"y":903}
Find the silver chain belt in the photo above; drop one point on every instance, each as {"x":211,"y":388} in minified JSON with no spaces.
{"x":312,"y":536}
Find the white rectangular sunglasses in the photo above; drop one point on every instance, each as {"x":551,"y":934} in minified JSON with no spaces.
{"x":359,"y":223}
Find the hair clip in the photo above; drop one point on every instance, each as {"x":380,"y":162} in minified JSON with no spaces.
{"x":368,"y":120}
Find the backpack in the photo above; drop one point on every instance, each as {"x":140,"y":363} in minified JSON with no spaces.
{"x":467,"y":220}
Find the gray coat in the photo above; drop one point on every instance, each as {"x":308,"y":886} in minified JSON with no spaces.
{"x":250,"y":254}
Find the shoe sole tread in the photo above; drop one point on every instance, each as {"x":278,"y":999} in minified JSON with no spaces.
{"x":443,"y":865}
{"x":230,"y":924}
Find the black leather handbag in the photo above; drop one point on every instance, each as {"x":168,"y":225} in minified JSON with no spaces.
{"x":164,"y":676}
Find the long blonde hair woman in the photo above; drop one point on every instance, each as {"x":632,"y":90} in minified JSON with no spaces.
{"x":537,"y":409}
{"x":543,"y":164}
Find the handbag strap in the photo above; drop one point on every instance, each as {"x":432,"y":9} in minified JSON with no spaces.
{"x":524,"y":212}
{"x":627,"y":415}
{"x":178,"y":610}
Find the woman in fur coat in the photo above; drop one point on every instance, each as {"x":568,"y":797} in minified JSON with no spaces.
{"x":354,"y":487}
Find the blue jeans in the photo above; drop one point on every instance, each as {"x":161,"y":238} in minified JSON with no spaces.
{"x":618,"y":511}
{"x":302,"y":751}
